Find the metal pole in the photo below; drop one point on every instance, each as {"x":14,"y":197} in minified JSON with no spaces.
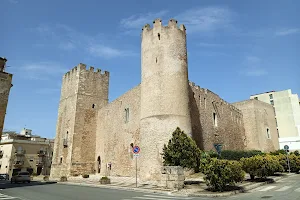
{"x":136,"y":171}
{"x":287,"y":156}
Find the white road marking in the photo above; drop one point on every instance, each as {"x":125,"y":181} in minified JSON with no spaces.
{"x":267,"y":188}
{"x":168,"y":197}
{"x":297,"y":190}
{"x":283,"y":188}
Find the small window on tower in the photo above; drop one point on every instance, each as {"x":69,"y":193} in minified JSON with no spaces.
{"x":61,"y":159}
{"x":268,"y":133}
{"x":272,"y":102}
{"x":158,"y":36}
{"x":215,"y":119}
{"x":271,"y":96}
{"x":93,"y":106}
{"x":126,"y":115}
{"x":256,"y":98}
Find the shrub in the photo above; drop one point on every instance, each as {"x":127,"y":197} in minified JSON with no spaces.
{"x":297,"y":153}
{"x":63,"y":179}
{"x":104,"y":180}
{"x":220,"y":173}
{"x":278,"y":152}
{"x":294,"y":163}
{"x":237,"y":155}
{"x":46,"y":178}
{"x":85,"y":176}
{"x":181,"y":151}
{"x":212,"y":154}
{"x":261,"y":166}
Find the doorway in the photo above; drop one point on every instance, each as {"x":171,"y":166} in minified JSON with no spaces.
{"x":99,"y":164}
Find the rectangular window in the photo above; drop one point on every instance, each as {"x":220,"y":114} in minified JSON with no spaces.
{"x":204,"y":102}
{"x":256,"y":98}
{"x":126,"y":115}
{"x":200,"y":100}
{"x":278,"y":133}
{"x":271,"y":96}
{"x":272,"y":102}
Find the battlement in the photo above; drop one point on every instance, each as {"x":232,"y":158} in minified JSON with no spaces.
{"x":207,"y":91}
{"x":83,"y":67}
{"x":157,"y":24}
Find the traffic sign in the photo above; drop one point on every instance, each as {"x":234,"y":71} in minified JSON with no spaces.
{"x":286,"y":147}
{"x":136,"y":149}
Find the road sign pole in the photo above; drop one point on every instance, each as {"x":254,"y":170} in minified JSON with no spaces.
{"x":288,"y":160}
{"x":135,"y":171}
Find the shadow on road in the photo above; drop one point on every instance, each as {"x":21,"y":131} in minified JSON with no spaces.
{"x":7,"y":184}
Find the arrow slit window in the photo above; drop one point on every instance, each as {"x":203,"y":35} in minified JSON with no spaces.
{"x":126,"y":115}
{"x":215,"y":119}
{"x":268,"y":133}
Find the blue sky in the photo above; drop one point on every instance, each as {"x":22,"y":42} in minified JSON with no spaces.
{"x":235,"y":48}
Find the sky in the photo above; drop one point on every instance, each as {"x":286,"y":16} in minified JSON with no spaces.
{"x":235,"y":48}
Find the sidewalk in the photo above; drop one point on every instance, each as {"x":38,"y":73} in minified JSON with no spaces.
{"x":194,"y":187}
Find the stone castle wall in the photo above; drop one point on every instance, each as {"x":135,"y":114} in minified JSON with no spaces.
{"x":5,"y":85}
{"x":115,"y":135}
{"x":229,"y":128}
{"x":258,"y":117}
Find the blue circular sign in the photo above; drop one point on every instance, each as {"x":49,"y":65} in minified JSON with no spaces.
{"x":136,"y":149}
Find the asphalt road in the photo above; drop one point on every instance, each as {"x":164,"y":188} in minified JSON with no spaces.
{"x":288,"y":189}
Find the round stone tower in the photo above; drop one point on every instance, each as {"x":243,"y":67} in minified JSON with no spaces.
{"x":164,"y":92}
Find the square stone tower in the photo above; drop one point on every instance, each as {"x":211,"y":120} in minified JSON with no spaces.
{"x":5,"y":85}
{"x":83,"y":93}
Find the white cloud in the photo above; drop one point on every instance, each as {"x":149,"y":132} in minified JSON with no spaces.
{"x":42,"y":70}
{"x":206,"y":19}
{"x":138,"y":21}
{"x":253,"y":66}
{"x":287,"y":31}
{"x":70,"y":39}
{"x":107,"y":52}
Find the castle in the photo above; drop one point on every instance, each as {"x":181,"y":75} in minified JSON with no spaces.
{"x":95,"y":136}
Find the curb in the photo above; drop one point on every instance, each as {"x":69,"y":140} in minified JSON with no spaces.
{"x":175,"y":192}
{"x":119,"y":188}
{"x":242,"y":190}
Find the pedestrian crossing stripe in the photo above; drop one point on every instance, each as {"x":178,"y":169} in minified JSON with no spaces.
{"x":278,"y":189}
{"x":3,"y":196}
{"x":158,"y":197}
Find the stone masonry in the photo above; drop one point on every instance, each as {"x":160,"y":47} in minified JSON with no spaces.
{"x":260,"y":125}
{"x":94,"y":136}
{"x":5,"y":85}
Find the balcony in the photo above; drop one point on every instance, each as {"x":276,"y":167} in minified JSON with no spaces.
{"x":20,"y":152}
{"x":39,"y":163}
{"x":65,"y":143}
{"x":42,"y":153}
{"x":18,"y":163}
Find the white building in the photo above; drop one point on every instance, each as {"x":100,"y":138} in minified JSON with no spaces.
{"x":287,"y":113}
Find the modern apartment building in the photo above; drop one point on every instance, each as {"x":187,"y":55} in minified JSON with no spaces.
{"x":287,"y":113}
{"x":25,"y":152}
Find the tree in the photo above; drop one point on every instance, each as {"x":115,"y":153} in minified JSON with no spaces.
{"x":182,"y":151}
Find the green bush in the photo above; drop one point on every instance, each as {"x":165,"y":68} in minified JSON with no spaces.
{"x":261,"y":166}
{"x":297,"y":153}
{"x":181,"y":151}
{"x":294,"y":163}
{"x":212,"y":154}
{"x":85,"y":176}
{"x":278,"y":152}
{"x":63,"y":179}
{"x":46,"y":178}
{"x":220,"y":173}
{"x":237,"y":155}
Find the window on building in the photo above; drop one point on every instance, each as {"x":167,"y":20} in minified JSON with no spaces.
{"x":204,"y":102}
{"x":61,"y":159}
{"x":272,"y":102}
{"x":278,"y":133}
{"x":268,"y":133}
{"x":126,"y":115}
{"x":215,"y":119}
{"x":271,"y":96}
{"x":276,"y":122}
{"x":256,"y":98}
{"x":93,"y":106}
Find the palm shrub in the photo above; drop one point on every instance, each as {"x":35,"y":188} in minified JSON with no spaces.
{"x":181,"y":151}
{"x":220,"y":173}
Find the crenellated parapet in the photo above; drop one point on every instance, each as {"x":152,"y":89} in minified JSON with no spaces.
{"x":83,"y":68}
{"x":158,"y":26}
